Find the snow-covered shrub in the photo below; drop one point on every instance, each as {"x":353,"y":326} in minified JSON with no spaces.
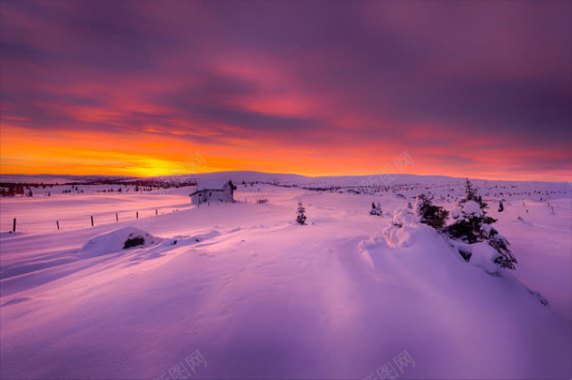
{"x":403,"y":222}
{"x":472,"y":225}
{"x":484,"y":256}
{"x":500,"y":243}
{"x":301,"y":214}
{"x":402,"y":217}
{"x":375,"y":209}
{"x":430,"y":214}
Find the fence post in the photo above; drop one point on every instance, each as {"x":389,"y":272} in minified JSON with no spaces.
{"x":58,"y":224}
{"x":137,"y":215}
{"x":92,"y":220}
{"x":14,"y":225}
{"x":156,"y":212}
{"x":116,"y":217}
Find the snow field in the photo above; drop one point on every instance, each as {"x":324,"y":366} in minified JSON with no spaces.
{"x":262,"y":297}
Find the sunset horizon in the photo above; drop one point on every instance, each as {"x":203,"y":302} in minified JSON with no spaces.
{"x":499,"y":177}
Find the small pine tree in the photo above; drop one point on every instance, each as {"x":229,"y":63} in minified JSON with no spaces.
{"x":301,"y":214}
{"x":430,"y":214}
{"x":471,"y":192}
{"x":375,"y":209}
{"x":473,"y":225}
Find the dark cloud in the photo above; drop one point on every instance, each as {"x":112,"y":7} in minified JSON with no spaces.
{"x":538,"y":109}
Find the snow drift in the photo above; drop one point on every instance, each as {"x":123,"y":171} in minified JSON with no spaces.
{"x":118,"y":240}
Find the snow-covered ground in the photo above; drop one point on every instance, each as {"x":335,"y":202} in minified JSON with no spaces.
{"x":242,"y":291}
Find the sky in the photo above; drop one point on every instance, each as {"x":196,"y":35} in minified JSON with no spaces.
{"x":461,"y":88}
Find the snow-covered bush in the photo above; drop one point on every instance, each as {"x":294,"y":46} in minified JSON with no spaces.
{"x":375,"y":209}
{"x":482,"y":255}
{"x":402,"y":217}
{"x":301,"y":214}
{"x":430,"y":214}
{"x":403,"y":222}
{"x":472,"y":225}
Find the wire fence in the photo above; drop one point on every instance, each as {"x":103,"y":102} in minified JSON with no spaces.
{"x":38,"y":224}
{"x":35,"y":225}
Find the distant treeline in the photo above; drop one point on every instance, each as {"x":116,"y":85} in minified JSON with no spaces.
{"x":12,"y":189}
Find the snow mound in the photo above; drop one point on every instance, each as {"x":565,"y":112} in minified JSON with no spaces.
{"x":368,"y":250}
{"x":434,"y":260}
{"x":118,"y":240}
{"x":398,"y":234}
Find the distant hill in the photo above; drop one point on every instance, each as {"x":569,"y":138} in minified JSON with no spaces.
{"x":253,"y":176}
